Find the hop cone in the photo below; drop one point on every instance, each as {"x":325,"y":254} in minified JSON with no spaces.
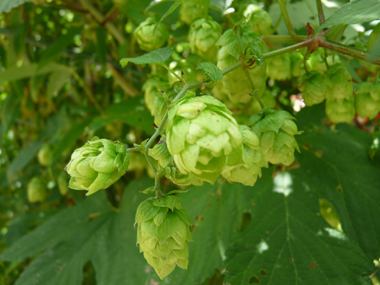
{"x":367,"y":100}
{"x":152,"y":87}
{"x":341,"y":86}
{"x":259,"y":19}
{"x":314,"y":87}
{"x":150,"y":38}
{"x":203,"y":36}
{"x":36,"y":190}
{"x":163,"y":232}
{"x":188,"y":11}
{"x":201,"y":133}
{"x":342,"y":111}
{"x":279,"y":67}
{"x":296,"y":59}
{"x":44,"y":155}
{"x":236,"y":82}
{"x":316,"y":60}
{"x":276,"y":131}
{"x":62,"y":184}
{"x":245,"y":162}
{"x":97,"y":165}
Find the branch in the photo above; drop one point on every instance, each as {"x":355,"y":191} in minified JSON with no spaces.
{"x":321,"y":15}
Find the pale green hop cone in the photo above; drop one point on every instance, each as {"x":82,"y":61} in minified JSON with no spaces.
{"x":163,"y":231}
{"x":152,"y":88}
{"x":276,"y":131}
{"x":36,"y":190}
{"x":314,"y":87}
{"x":245,"y":162}
{"x":150,"y":38}
{"x":341,"y":111}
{"x":200,"y":134}
{"x":203,"y":35}
{"x":188,"y":11}
{"x":259,"y":19}
{"x":341,"y":83}
{"x":367,"y":100}
{"x":279,"y":67}
{"x":44,"y":154}
{"x":97,"y":165}
{"x":317,"y":62}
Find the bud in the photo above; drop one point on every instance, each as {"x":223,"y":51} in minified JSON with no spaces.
{"x":153,"y":87}
{"x":188,"y":11}
{"x":201,"y":133}
{"x":44,"y":155}
{"x":245,"y":162}
{"x":150,"y":37}
{"x":163,"y":230}
{"x":236,"y":82}
{"x":203,"y":35}
{"x":97,"y":165}
{"x":62,"y":184}
{"x":279,"y":67}
{"x":276,"y":131}
{"x":36,"y":190}
{"x":259,"y":19}
{"x":367,"y":100}
{"x":314,"y":87}
{"x":342,"y":111}
{"x":341,"y":85}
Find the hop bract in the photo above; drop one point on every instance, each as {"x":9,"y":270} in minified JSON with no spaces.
{"x":201,"y":133}
{"x":150,"y":38}
{"x":44,"y":154}
{"x":276,"y":131}
{"x":203,"y":36}
{"x":236,"y":82}
{"x":314,"y":87}
{"x":245,"y":162}
{"x":97,"y":165}
{"x":367,"y":100}
{"x":259,"y":19}
{"x":163,"y":230}
{"x":36,"y":190}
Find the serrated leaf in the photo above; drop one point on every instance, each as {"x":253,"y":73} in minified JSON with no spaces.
{"x":171,"y":10}
{"x":7,"y":5}
{"x":354,"y":12}
{"x":211,"y":71}
{"x":157,"y":56}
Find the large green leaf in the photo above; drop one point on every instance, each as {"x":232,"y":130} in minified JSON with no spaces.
{"x":288,"y":242}
{"x":90,"y":231}
{"x":7,"y":5}
{"x":158,"y":56}
{"x":354,"y":12}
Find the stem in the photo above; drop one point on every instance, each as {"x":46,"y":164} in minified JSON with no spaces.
{"x":288,"y":22}
{"x":321,"y":15}
{"x":280,"y":39}
{"x":287,"y":49}
{"x":172,"y":72}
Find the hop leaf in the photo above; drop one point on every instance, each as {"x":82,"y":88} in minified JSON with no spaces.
{"x":97,"y":165}
{"x":367,"y":100}
{"x":200,"y":135}
{"x":314,"y":87}
{"x":149,"y":36}
{"x":163,"y":230}
{"x":36,"y":190}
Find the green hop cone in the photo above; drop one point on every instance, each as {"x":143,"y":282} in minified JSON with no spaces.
{"x":153,"y":87}
{"x":341,"y":86}
{"x":97,"y":165}
{"x":296,"y":59}
{"x":203,"y":35}
{"x":200,"y":134}
{"x":44,"y":155}
{"x":276,"y":131}
{"x":340,"y":111}
{"x":163,"y":230}
{"x":188,"y":11}
{"x":62,"y":184}
{"x":236,"y":82}
{"x":314,"y":87}
{"x":245,"y":162}
{"x":259,"y":19}
{"x":36,"y":190}
{"x":316,"y":60}
{"x":150,"y":38}
{"x":367,"y":100}
{"x":279,"y":67}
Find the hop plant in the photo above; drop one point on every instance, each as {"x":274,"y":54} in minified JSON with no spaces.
{"x":44,"y":154}
{"x":201,"y":133}
{"x":62,"y":184}
{"x":245,"y":162}
{"x":276,"y":131}
{"x":259,"y":19}
{"x":150,"y":37}
{"x":36,"y":190}
{"x":203,"y":35}
{"x":188,"y":11}
{"x":314,"y":87}
{"x":279,"y":67}
{"x":97,"y":165}
{"x":341,"y":86}
{"x":342,"y":111}
{"x":367,"y":100}
{"x":236,"y":82}
{"x":153,"y":87}
{"x":163,"y":230}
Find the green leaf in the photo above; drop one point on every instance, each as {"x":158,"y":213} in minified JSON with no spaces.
{"x":101,"y":43}
{"x":288,"y":241}
{"x":56,"y":82}
{"x":89,"y":231}
{"x":211,"y":71}
{"x":158,"y":56}
{"x":354,"y":12}
{"x":171,"y":10}
{"x":7,"y":5}
{"x":58,"y":46}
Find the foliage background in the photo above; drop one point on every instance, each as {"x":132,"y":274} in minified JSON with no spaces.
{"x":60,"y":83}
